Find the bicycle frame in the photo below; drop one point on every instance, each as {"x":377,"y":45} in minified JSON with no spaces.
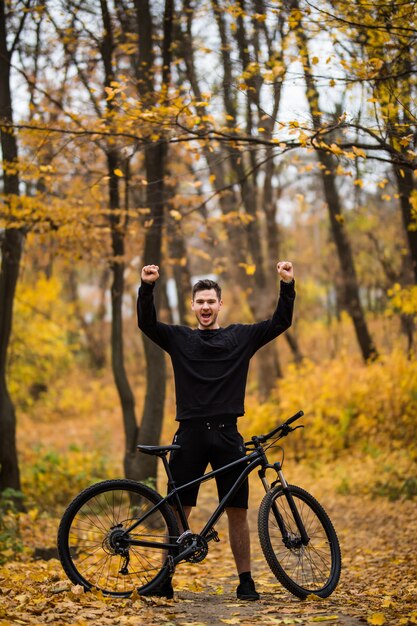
{"x":254,"y":459}
{"x":251,"y":461}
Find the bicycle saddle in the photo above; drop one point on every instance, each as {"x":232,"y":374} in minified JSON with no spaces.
{"x":158,"y":450}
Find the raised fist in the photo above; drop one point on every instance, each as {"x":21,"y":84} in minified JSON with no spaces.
{"x":285,"y":271}
{"x":150,"y":273}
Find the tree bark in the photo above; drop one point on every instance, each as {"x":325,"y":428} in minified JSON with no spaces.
{"x":11,"y":251}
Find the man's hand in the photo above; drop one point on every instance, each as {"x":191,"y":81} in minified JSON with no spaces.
{"x":285,"y":271}
{"x":150,"y":274}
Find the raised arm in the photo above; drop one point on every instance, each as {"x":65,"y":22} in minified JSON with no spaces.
{"x":263,"y":332}
{"x":147,"y":318}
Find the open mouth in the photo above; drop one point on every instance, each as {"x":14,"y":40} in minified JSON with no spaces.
{"x":206,"y":316}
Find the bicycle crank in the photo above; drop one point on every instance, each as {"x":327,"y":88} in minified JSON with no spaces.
{"x":197,"y":545}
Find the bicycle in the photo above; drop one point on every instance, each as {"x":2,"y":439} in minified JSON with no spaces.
{"x":121,"y":536}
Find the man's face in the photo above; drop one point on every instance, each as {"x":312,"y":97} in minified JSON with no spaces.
{"x":206,"y":307}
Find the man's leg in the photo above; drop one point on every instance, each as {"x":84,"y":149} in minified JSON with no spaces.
{"x":229,"y":447}
{"x":239,"y":538}
{"x":187,"y":511}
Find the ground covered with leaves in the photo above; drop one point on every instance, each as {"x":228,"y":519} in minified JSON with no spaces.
{"x":378,"y":583}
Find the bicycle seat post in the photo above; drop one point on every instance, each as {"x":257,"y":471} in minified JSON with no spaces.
{"x":176,"y":504}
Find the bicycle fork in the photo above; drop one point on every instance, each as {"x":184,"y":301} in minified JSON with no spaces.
{"x":287,"y":539}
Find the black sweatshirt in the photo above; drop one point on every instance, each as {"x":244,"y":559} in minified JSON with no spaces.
{"x":211,"y":366}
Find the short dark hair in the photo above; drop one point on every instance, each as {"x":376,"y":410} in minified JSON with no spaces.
{"x":206,"y":283}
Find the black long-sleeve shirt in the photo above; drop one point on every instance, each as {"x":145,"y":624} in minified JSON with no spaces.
{"x":211,"y":366}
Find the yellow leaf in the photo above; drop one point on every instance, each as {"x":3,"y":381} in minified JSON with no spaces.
{"x":336,"y":149}
{"x":195,"y":585}
{"x":315,"y":60}
{"x":250,"y":268}
{"x":176,"y":215}
{"x":118,"y":172}
{"x":359,"y":151}
{"x":377,"y":619}
{"x":22,"y":598}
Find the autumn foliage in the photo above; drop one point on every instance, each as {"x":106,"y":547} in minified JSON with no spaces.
{"x":212,"y":138}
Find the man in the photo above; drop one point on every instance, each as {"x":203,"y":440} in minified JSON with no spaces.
{"x":210,"y":368}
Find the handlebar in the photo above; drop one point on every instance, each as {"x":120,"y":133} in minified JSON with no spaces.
{"x":284,"y":428}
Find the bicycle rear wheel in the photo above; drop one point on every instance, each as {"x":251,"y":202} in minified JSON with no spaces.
{"x":95,"y":552}
{"x":302,"y":569}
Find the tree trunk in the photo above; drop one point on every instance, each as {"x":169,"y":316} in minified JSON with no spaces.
{"x":352,"y":301}
{"x":127,"y":400}
{"x":11,"y":252}
{"x":153,"y":411}
{"x":124,"y":390}
{"x":350,"y":285}
{"x":405,"y":185}
{"x":155,"y":156}
{"x":178,"y":251}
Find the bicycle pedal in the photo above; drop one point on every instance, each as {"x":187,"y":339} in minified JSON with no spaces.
{"x":213,"y":535}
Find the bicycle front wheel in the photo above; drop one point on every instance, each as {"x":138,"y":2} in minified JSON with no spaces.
{"x":94,"y":549}
{"x":302,"y":569}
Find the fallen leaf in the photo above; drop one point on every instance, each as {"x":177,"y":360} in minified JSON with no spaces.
{"x":377,"y":619}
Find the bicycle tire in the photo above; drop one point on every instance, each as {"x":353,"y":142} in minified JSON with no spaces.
{"x":86,"y":538}
{"x":303,"y":570}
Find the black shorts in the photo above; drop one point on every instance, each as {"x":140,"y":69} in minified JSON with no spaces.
{"x":205,"y":441}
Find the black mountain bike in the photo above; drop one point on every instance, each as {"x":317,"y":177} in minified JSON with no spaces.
{"x":120,"y":536}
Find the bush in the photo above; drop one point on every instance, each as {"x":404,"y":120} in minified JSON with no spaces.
{"x":10,"y":537}
{"x":51,"y":479}
{"x":352,"y":405}
{"x":41,"y":342}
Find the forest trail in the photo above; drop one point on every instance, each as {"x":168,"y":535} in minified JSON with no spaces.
{"x":378,"y":583}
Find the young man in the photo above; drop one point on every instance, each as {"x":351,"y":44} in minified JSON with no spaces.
{"x":210,"y":368}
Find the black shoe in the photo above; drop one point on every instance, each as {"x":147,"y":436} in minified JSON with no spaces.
{"x":247,"y":591}
{"x":165,"y":590}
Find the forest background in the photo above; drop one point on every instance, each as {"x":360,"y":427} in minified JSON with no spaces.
{"x":212,"y":138}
